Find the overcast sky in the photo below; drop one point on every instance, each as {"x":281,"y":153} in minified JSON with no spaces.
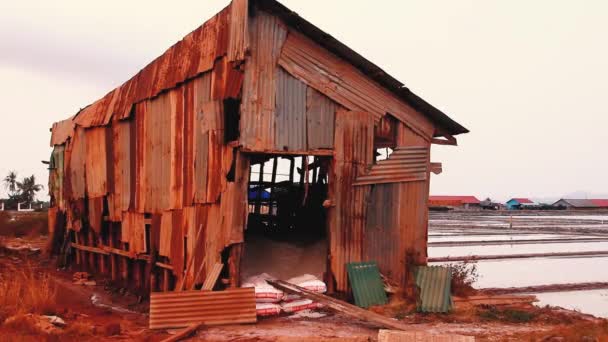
{"x":528,"y":78}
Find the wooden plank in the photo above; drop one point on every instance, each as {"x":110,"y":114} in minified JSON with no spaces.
{"x":340,"y":306}
{"x":212,"y":277}
{"x":180,"y":284}
{"x":420,"y":336}
{"x":184,"y":333}
{"x":90,"y":249}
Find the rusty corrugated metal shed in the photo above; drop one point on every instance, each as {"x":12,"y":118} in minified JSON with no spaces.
{"x":179,"y":309}
{"x":434,"y":283}
{"x":365,"y":66}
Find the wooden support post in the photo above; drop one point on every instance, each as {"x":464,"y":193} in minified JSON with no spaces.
{"x":234,"y":264}
{"x":314,"y":170}
{"x":180,"y":285}
{"x":292,"y":165}
{"x":113,"y":257}
{"x":124,"y":266}
{"x":102,"y":258}
{"x":77,"y":239}
{"x":166,"y":280}
{"x":304,"y":161}
{"x":273,"y":179}
{"x":91,"y":256}
{"x":258,"y":194}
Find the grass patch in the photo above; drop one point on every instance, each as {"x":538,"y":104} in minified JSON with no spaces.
{"x":21,"y":224}
{"x":25,"y":291}
{"x":507,"y":315}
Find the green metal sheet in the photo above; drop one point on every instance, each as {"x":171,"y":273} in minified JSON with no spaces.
{"x":366,"y":283}
{"x":434,"y":285}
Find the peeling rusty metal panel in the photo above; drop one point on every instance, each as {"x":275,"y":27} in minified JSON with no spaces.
{"x":75,"y":163}
{"x":121,"y":133}
{"x":96,"y":161}
{"x":258,"y":102}
{"x":343,"y":83}
{"x":180,"y":309}
{"x":405,"y":164}
{"x":382,"y":236}
{"x":57,"y":175}
{"x":320,"y":118}
{"x":176,"y":178}
{"x":226,"y":81}
{"x":95,"y":209}
{"x":353,"y":153}
{"x":434,"y":283}
{"x":62,"y":131}
{"x":133,"y":231}
{"x":290,"y":113}
{"x":238,"y":42}
{"x":166,"y":227}
{"x":157,"y":154}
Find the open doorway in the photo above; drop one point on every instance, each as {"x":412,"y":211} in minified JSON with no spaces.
{"x":286,"y":233}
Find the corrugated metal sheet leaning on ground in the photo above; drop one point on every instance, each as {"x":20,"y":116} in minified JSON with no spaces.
{"x":167,"y":154}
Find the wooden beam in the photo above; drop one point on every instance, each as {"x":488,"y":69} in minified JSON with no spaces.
{"x":164,"y":265}
{"x":184,"y":333}
{"x":449,"y":140}
{"x":89,"y":249}
{"x":342,"y":307}
{"x":318,"y":152}
{"x":212,"y":276}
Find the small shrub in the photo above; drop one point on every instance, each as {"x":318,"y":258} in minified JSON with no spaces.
{"x":464,"y":275}
{"x":491,"y":313}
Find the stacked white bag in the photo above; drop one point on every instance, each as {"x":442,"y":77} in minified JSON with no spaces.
{"x":267,"y":297}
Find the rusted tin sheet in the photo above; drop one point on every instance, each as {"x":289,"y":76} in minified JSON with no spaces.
{"x":166,"y":227}
{"x":133,"y":231}
{"x":346,"y":85}
{"x":75,"y":163}
{"x":353,"y":152}
{"x":405,"y":164}
{"x":238,"y":42}
{"x":180,"y":309}
{"x":156,"y":153}
{"x":95,"y":210}
{"x":96,"y":157}
{"x":382,"y":236}
{"x":290,"y":113}
{"x":176,"y":169}
{"x":354,"y":137}
{"x":226,"y":81}
{"x":258,"y":102}
{"x":56,"y":175}
{"x":62,"y":131}
{"x":320,"y":120}
{"x":99,"y":113}
{"x":420,"y":336}
{"x":120,"y":198}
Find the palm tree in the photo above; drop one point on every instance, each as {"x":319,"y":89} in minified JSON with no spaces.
{"x":10,"y":182}
{"x":28,"y":189}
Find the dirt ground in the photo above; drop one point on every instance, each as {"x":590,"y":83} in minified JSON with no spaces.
{"x":102,"y":312}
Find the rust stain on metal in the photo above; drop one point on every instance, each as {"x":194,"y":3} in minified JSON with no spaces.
{"x":180,"y":309}
{"x":61,"y":131}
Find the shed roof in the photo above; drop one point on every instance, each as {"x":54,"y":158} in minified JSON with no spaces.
{"x":600,"y":202}
{"x":578,"y":203}
{"x":521,"y":200}
{"x":118,"y":101}
{"x":463,"y":199}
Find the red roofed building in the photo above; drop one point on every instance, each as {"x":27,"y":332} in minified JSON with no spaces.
{"x":601,"y":203}
{"x":465,"y":202}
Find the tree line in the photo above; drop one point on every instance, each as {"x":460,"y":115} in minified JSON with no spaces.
{"x":23,"y":191}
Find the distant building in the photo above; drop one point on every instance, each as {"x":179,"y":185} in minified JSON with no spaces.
{"x":464,"y":202}
{"x":489,"y":205}
{"x":519,"y":203}
{"x":571,"y":203}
